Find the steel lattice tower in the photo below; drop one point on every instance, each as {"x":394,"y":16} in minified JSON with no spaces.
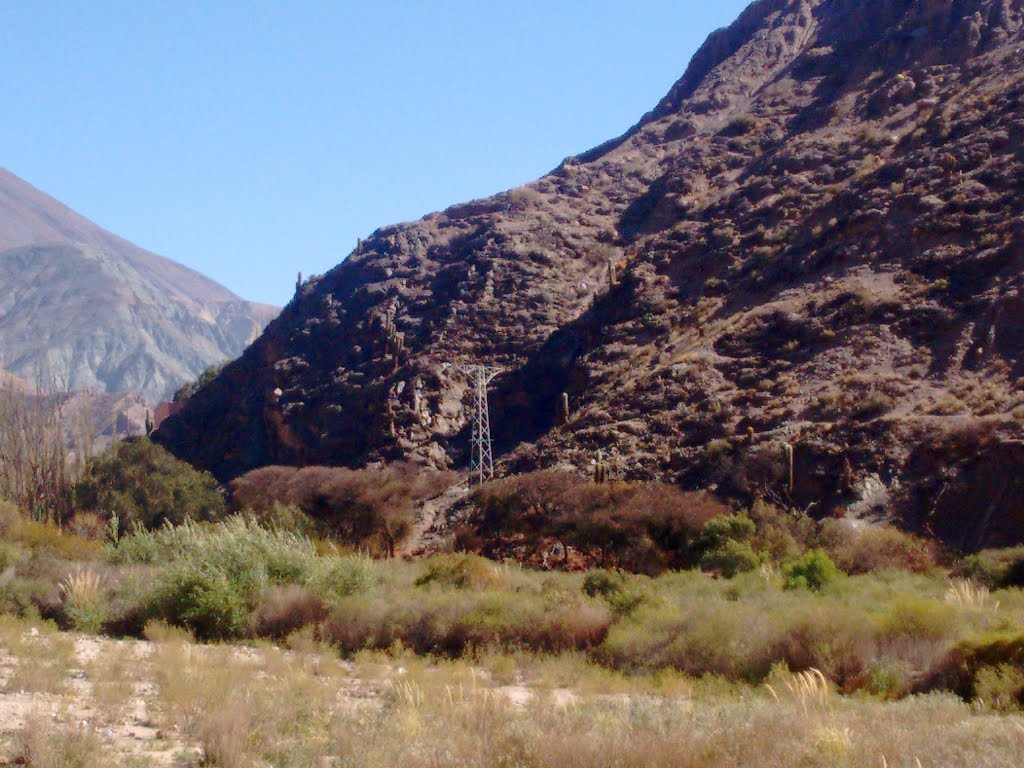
{"x":482,"y":461}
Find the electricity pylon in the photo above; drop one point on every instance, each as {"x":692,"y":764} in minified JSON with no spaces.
{"x":482,"y":460}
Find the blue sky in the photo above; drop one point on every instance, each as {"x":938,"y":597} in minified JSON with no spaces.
{"x":252,"y":140}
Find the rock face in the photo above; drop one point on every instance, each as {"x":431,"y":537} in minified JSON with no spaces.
{"x":799,"y":275}
{"x":91,"y":307}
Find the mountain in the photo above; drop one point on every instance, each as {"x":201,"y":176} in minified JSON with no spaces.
{"x":90,"y":307}
{"x":799,"y":275}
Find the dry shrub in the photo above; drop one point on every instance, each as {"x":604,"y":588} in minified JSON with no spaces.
{"x":286,"y":609}
{"x":43,"y":659}
{"x":48,"y":537}
{"x":370,"y":508}
{"x":450,"y":623}
{"x":38,"y":744}
{"x":224,"y":732}
{"x":876,"y":548}
{"x":836,"y":640}
{"x":645,"y":527}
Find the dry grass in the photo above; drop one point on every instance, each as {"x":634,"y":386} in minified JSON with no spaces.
{"x":966,"y":594}
{"x":40,"y":743}
{"x":263,"y":706}
{"x":42,"y":659}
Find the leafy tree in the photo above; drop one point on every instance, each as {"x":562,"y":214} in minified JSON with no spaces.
{"x":719,"y":530}
{"x":814,"y":570}
{"x":141,"y":482}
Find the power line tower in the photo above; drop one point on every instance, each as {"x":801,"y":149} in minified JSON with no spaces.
{"x":482,"y":461}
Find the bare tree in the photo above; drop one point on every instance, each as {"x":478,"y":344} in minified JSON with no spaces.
{"x":35,"y":472}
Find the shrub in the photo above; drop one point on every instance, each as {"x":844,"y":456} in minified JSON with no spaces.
{"x":371,"y":508}
{"x":220,"y":581}
{"x":876,"y":548}
{"x":205,"y":600}
{"x":47,"y":537}
{"x":452,"y":623}
{"x":644,"y":527}
{"x":992,"y":665}
{"x":996,"y":567}
{"x":813,"y":570}
{"x":717,"y":531}
{"x":141,"y":482}
{"x":286,"y":609}
{"x":872,"y":405}
{"x":85,"y":600}
{"x":458,"y":572}
{"x":622,"y":594}
{"x":185,"y":391}
{"x":724,"y":544}
{"x":1000,"y":687}
{"x":730,"y":558}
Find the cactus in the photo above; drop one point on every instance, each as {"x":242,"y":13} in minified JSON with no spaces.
{"x":391,"y":418}
{"x":298,"y":283}
{"x":149,"y":422}
{"x":787,"y":452}
{"x":565,"y":408}
{"x":600,"y":468}
{"x":611,"y":272}
{"x":847,"y":475}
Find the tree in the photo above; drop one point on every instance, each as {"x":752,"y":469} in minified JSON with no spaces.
{"x":34,"y":470}
{"x":139,"y":481}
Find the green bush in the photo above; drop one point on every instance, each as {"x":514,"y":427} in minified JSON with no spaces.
{"x":730,"y":558}
{"x":719,"y":530}
{"x":724,"y":544}
{"x":205,"y":599}
{"x":214,"y":579}
{"x":988,"y":667}
{"x":139,"y":482}
{"x":996,"y":567}
{"x":622,"y":593}
{"x":813,"y":570}
{"x":1000,"y":687}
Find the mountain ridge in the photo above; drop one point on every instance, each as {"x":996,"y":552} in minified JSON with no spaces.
{"x":90,"y":306}
{"x":808,"y":253}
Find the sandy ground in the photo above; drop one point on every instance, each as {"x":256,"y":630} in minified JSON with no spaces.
{"x":131,"y":726}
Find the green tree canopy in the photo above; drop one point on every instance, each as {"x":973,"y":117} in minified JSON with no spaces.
{"x":139,"y":481}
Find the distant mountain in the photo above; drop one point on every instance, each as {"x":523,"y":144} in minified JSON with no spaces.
{"x":101,"y":312}
{"x":800,"y":275}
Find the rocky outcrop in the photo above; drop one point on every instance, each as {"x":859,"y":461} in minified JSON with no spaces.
{"x":804,"y":263}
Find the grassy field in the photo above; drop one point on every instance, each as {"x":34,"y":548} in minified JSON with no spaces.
{"x":72,"y":700}
{"x":234,"y":644}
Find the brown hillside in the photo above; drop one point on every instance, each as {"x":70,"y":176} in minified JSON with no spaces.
{"x":817,"y":249}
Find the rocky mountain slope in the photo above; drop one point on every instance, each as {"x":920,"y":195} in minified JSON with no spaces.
{"x":799,"y":275}
{"x":99,"y":311}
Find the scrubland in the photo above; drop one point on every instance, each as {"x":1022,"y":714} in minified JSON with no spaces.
{"x":664,"y":628}
{"x":237,"y":644}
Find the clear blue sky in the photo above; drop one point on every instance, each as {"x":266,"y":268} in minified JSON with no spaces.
{"x":251,"y":140}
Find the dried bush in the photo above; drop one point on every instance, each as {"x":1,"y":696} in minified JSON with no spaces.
{"x":285,"y":609}
{"x":876,"y":548}
{"x":370,"y":508}
{"x":644,"y":527}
